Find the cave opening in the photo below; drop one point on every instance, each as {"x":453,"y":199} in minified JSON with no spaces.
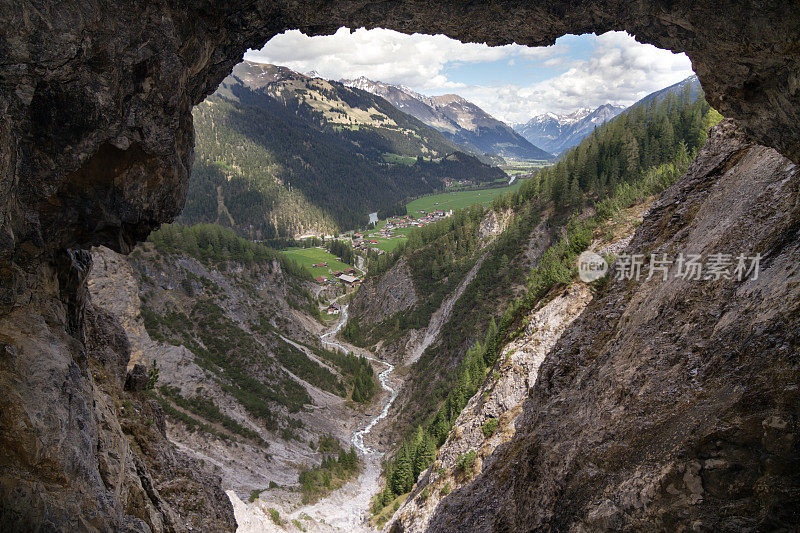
{"x":578,"y":75}
{"x":298,"y":95}
{"x":128,"y":77}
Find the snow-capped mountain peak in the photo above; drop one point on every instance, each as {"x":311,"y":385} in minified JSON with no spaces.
{"x":576,"y":116}
{"x":458,"y":119}
{"x":362,"y":82}
{"x":558,"y":132}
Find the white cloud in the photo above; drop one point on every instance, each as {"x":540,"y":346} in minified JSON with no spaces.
{"x":415,"y":60}
{"x":617,"y":69}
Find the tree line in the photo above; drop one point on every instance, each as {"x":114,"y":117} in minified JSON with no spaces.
{"x":211,"y":242}
{"x":634,"y":156}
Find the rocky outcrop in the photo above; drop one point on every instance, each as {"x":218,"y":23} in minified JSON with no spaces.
{"x":493,"y":224}
{"x":383,"y":296}
{"x":669,"y":404}
{"x":498,"y":402}
{"x":78,"y":453}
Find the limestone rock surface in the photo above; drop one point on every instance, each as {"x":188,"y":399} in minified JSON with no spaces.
{"x":668,"y":404}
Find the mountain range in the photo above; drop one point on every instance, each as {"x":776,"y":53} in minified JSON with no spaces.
{"x":280,"y":154}
{"x":458,"y":119}
{"x":557,"y":133}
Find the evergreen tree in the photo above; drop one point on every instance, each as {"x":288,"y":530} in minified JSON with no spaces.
{"x":403,"y":475}
{"x":424,"y":454}
{"x":490,"y":343}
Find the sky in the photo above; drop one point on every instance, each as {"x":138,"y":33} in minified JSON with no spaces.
{"x":513,"y":83}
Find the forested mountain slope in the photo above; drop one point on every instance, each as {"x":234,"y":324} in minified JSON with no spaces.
{"x":473,"y":126}
{"x":279,"y":154}
{"x":690,"y":85}
{"x":556,"y":214}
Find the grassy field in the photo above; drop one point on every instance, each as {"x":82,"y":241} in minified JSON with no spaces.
{"x":310,"y":256}
{"x":395,"y":158}
{"x":515,"y":168}
{"x":444,"y":201}
{"x":457,"y":200}
{"x":387,"y":245}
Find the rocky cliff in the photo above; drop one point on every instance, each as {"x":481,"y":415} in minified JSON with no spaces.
{"x":253,"y":317}
{"x":384,"y":296}
{"x":489,"y":419}
{"x":668,"y":404}
{"x":79,"y":453}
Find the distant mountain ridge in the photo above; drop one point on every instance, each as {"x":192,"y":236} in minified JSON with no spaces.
{"x":557,"y":133}
{"x":280,"y":154}
{"x":458,"y":119}
{"x":690,"y":84}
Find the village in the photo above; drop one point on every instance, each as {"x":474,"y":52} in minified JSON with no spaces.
{"x":392,"y":227}
{"x":347,"y":277}
{"x":329,"y":270}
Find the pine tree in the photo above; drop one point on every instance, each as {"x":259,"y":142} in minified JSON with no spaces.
{"x":575,"y":195}
{"x":630,"y":153}
{"x":441,"y":429}
{"x":424,"y":454}
{"x":357,"y":391}
{"x":403,"y":475}
{"x":491,"y":343}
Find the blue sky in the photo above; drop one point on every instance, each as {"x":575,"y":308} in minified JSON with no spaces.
{"x":521,"y":70}
{"x":512,"y":82}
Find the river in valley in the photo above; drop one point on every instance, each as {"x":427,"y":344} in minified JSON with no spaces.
{"x":346,"y":509}
{"x":329,"y":339}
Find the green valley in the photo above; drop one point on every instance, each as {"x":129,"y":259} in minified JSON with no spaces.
{"x":457,"y":200}
{"x":279,"y":154}
{"x":309,"y":257}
